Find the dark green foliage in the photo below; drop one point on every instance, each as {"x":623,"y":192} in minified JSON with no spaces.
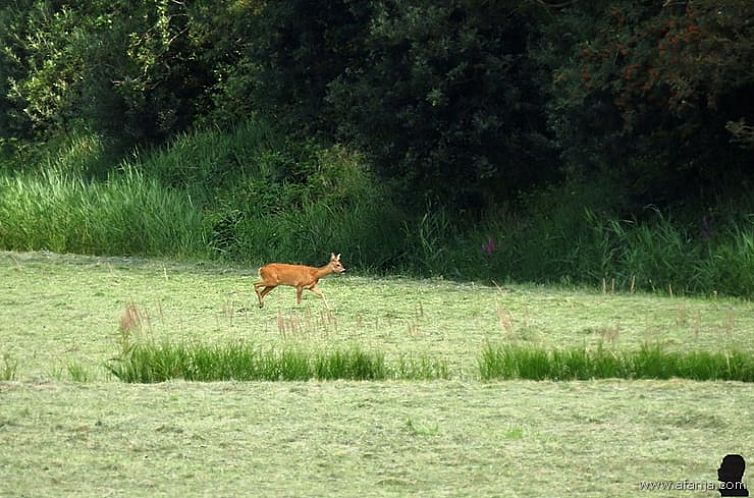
{"x":654,"y":94}
{"x":138,"y":71}
{"x":302,"y":47}
{"x":466,"y":103}
{"x":13,"y":125}
{"x":445,"y":103}
{"x":439,"y":96}
{"x":590,"y":141}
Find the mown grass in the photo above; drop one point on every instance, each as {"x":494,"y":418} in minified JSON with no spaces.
{"x":59,"y":310}
{"x":649,"y":362}
{"x":347,"y":438}
{"x":150,"y":362}
{"x":62,"y":317}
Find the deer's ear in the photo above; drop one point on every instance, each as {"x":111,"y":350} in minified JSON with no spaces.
{"x":337,"y":258}
{"x":332,"y":257}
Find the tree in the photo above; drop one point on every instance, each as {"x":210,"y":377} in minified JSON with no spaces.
{"x":650,"y":92}
{"x":140,"y":70}
{"x":444,"y":101}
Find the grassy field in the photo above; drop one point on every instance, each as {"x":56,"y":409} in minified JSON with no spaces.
{"x":59,"y":324}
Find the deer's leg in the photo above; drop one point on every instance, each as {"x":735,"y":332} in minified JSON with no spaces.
{"x":319,"y":293}
{"x":299,"y":291}
{"x":257,"y":285}
{"x":267,"y":289}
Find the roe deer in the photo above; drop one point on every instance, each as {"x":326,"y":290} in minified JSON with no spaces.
{"x":299,"y":276}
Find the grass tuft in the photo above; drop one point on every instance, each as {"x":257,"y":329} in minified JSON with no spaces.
{"x":150,"y":362}
{"x":8,"y":367}
{"x":422,"y":367}
{"x":78,"y":372}
{"x":649,"y":362}
{"x":352,"y":364}
{"x":424,"y":429}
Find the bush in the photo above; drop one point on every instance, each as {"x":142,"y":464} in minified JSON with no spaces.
{"x":266,"y":197}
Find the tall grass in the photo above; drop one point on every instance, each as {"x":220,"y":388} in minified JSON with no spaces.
{"x":210,"y":162}
{"x":128,"y":214}
{"x":350,"y":364}
{"x":572,"y":235}
{"x":250,"y":195}
{"x":150,"y":362}
{"x":728,"y":264}
{"x":649,"y":362}
{"x":80,"y":153}
{"x":255,"y":195}
{"x":265,"y":197}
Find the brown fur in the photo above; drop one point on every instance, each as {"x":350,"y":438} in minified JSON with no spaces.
{"x":299,"y":276}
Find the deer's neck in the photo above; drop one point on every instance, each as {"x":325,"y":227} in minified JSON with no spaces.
{"x":323,"y":271}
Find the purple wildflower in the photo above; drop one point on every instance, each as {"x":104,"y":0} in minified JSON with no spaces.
{"x":489,"y":247}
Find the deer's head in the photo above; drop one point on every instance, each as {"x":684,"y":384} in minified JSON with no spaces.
{"x":335,"y":264}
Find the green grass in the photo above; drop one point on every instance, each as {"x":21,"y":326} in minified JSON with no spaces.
{"x":353,"y":364}
{"x":648,"y":362}
{"x":251,"y":195}
{"x":58,"y":309}
{"x":78,"y":372}
{"x":255,"y":195}
{"x":580,"y":234}
{"x":148,"y":363}
{"x":441,"y":438}
{"x":8,"y":367}
{"x":126,"y":215}
{"x":456,"y":436}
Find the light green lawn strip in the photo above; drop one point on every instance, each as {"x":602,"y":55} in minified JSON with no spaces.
{"x":59,"y":319}
{"x":452,"y":438}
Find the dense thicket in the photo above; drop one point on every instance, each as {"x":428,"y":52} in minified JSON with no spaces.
{"x":466,"y":102}
{"x":447,"y":101}
{"x":656,"y":94}
{"x":547,"y":127}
